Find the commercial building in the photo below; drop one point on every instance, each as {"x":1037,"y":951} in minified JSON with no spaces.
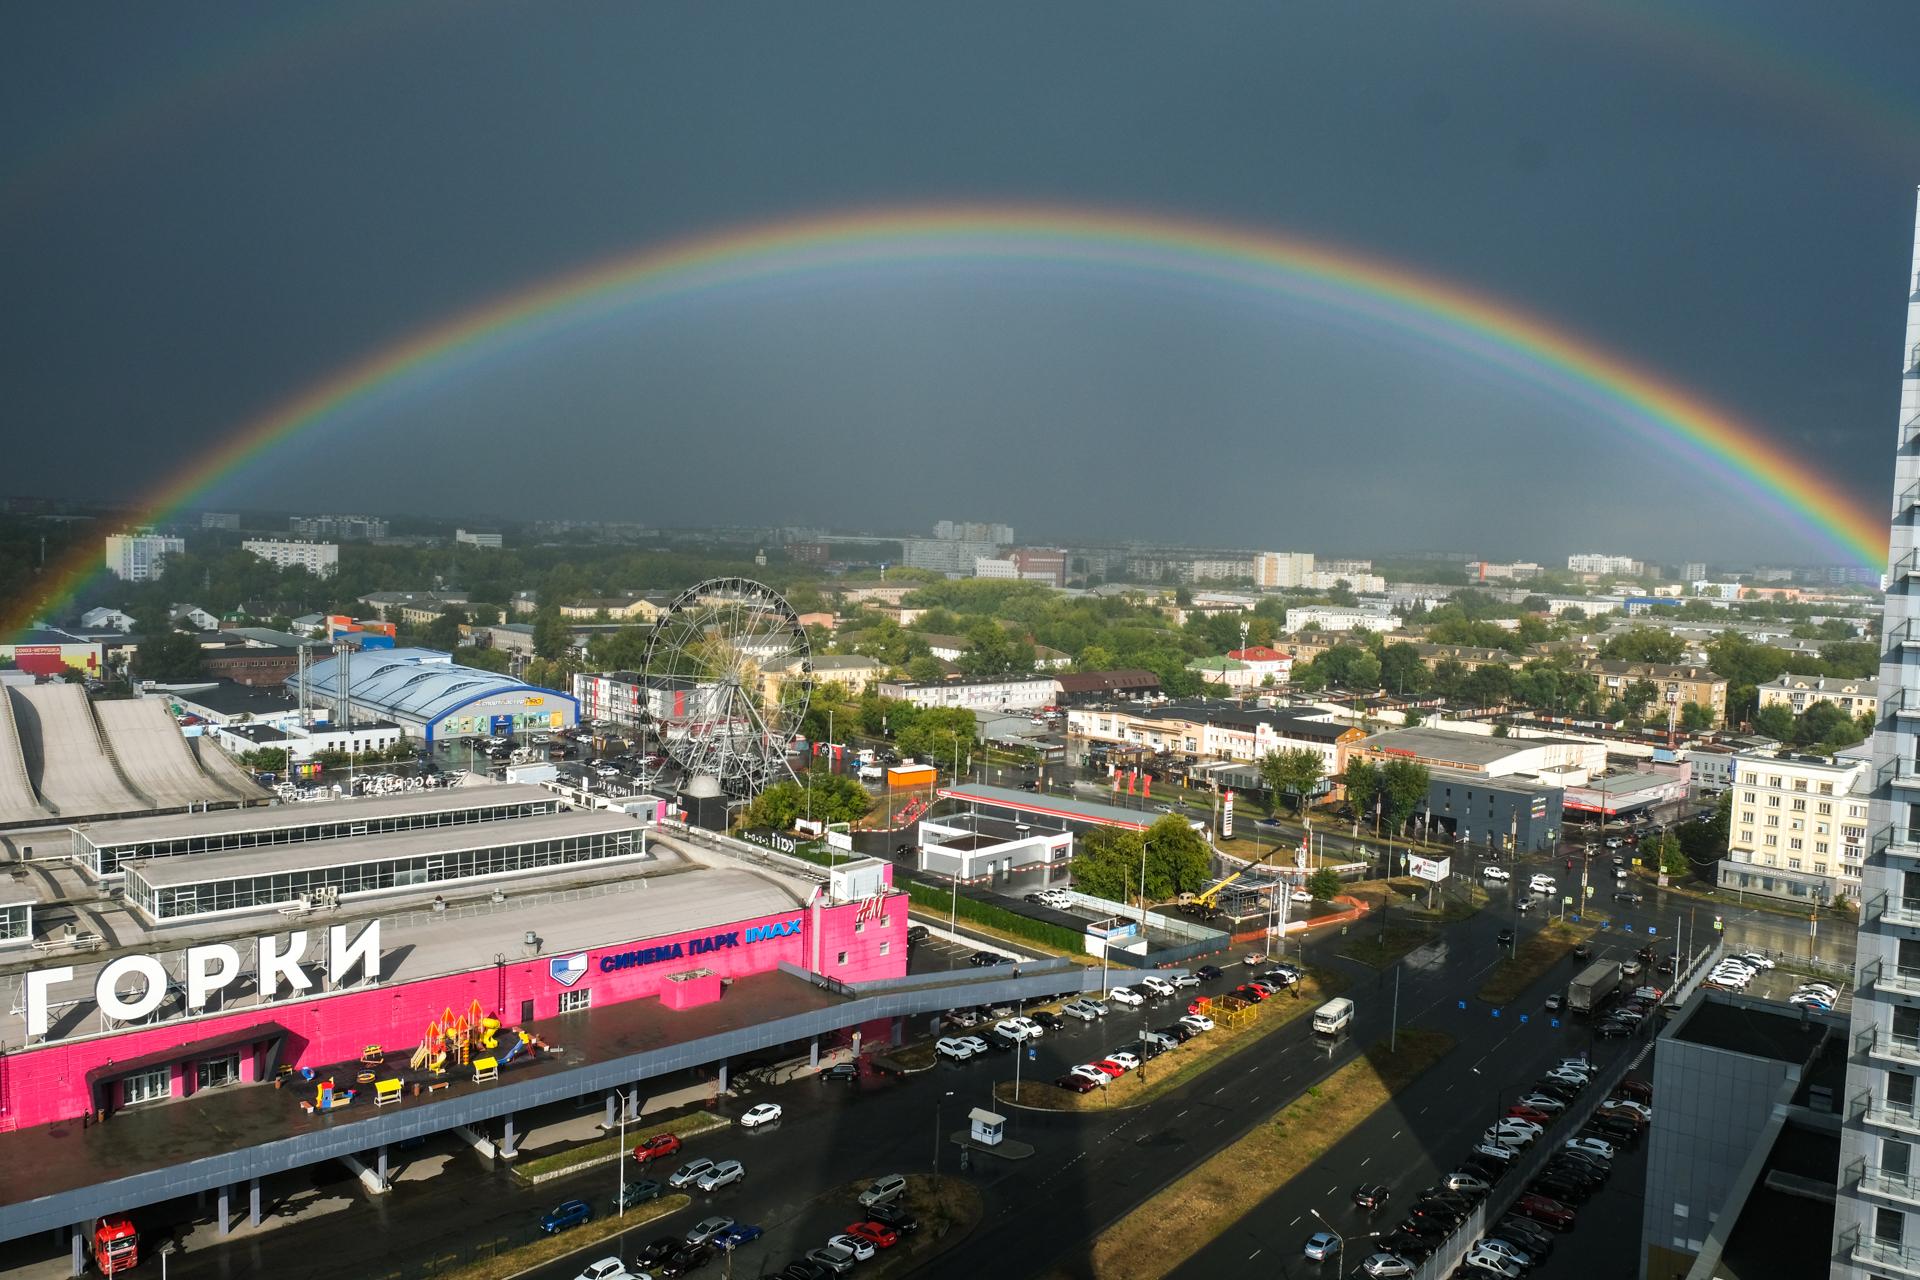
{"x":951,"y":557}
{"x":1877,"y":1219}
{"x":972,"y":531}
{"x":137,"y":557}
{"x":1078,"y":688}
{"x":434,"y":698}
{"x":226,"y":520}
{"x":474,"y":538}
{"x":321,"y":559}
{"x":628,"y":699}
{"x":1515,"y":571}
{"x":851,"y":671}
{"x":996,"y":693}
{"x":1623,"y":566}
{"x":1797,"y":693}
{"x":303,"y":742}
{"x":1563,"y":760}
{"x":1339,"y":618}
{"x":1742,"y":1161}
{"x":1797,"y":830}
{"x":1041,"y":564}
{"x":970,"y":849}
{"x":48,"y":651}
{"x":1278,"y":569}
{"x":1201,"y":731}
{"x":1264,"y":661}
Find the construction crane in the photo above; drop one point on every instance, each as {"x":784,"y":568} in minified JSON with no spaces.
{"x":1209,"y":895}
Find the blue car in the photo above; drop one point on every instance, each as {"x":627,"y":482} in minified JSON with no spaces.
{"x":736,"y":1235}
{"x":572,"y":1213}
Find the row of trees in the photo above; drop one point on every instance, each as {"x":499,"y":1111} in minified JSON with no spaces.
{"x":823,"y":796}
{"x":1176,"y":859}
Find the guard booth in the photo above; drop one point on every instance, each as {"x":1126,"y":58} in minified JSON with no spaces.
{"x":986,"y":1128}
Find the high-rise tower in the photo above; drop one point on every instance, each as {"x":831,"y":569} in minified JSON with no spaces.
{"x":1877,"y":1215}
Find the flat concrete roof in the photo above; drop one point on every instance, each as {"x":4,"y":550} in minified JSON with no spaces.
{"x":1753,"y":1028}
{"x":1464,"y":748}
{"x":14,"y":893}
{"x":182,"y":826}
{"x":353,"y":850}
{"x":421,"y":943}
{"x":1107,"y":815}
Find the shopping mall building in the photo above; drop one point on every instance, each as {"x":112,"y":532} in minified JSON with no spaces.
{"x":485,"y":949}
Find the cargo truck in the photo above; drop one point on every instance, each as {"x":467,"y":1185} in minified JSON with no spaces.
{"x":1596,"y":982}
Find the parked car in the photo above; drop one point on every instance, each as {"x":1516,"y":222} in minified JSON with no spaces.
{"x":658,"y":1147}
{"x":1590,"y":1146}
{"x":637,"y":1192}
{"x":953,"y":1047}
{"x":862,"y":1250}
{"x":1112,"y":1070}
{"x":834,"y":1258}
{"x":1127,"y":996}
{"x":1049,"y":1020}
{"x":1127,"y":1061}
{"x":736,"y":1235}
{"x":1185,"y":980}
{"x":1525,"y":1234}
{"x":985,"y":959}
{"x":760,"y":1113}
{"x":1157,"y":986}
{"x":707,"y":1228}
{"x":883,"y":1190}
{"x":841,"y":1073}
{"x":1405,"y":1244}
{"x":893,"y":1214}
{"x":1018,"y":1028}
{"x":1074,"y":1082}
{"x":1565,"y":1190}
{"x":1638,"y":1090}
{"x":725,"y":1173}
{"x":1386,"y":1266}
{"x":1467,"y":1184}
{"x":659,"y":1249}
{"x":1546,"y":1210}
{"x":605,"y":1269}
{"x":1209,"y":972}
{"x":1542,"y":1102}
{"x":1179,"y":1031}
{"x":566,"y":1214}
{"x":1198,"y":1021}
{"x":1482,"y":1261}
{"x":877,"y":1234}
{"x":1079,"y":1009}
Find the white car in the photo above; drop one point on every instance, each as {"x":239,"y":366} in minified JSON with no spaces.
{"x":861,"y":1250}
{"x":1197,"y":1021}
{"x":1127,"y":996}
{"x":1125,"y":1060}
{"x":1086,"y":1072}
{"x":760,"y":1113}
{"x":605,"y":1269}
{"x":1543,"y":884}
{"x":1466,"y":1183}
{"x":1755,"y":959}
{"x":1640,"y":1109}
{"x":1595,"y":1147}
{"x":1497,"y":873}
{"x":1578,"y":1079}
{"x":1501,"y":1249}
{"x":1185,"y":980}
{"x":1079,"y":1009}
{"x":1493,"y":1151}
{"x":1016,"y":1029}
{"x":953,"y":1047}
{"x":1494,"y":1263}
{"x":1543,"y":1102}
{"x":1513,"y":1139}
{"x":1300,"y":895}
{"x":1159,"y":986}
{"x":1582,"y":1065}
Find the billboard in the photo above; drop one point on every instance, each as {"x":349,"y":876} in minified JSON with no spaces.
{"x":1434,"y":869}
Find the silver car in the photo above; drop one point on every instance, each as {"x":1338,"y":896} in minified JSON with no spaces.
{"x":727,"y":1171}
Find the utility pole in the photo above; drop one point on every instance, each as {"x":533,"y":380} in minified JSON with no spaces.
{"x":1393,"y":1035}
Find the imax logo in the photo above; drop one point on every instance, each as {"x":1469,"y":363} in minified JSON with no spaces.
{"x":567,"y":970}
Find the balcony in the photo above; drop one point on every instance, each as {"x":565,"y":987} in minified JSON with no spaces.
{"x":1876,"y":1042}
{"x":1895,"y":842}
{"x":1904,"y":912}
{"x":1885,"y":1255}
{"x":1894,"y":979}
{"x":1902,"y":1117}
{"x":1902,"y":774}
{"x":1907,"y":701}
{"x":1900,"y":1188}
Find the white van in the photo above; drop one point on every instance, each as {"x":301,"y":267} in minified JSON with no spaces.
{"x":1333,"y":1016}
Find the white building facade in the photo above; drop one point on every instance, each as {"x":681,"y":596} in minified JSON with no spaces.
{"x":1625,"y":566}
{"x":1283,"y":568}
{"x":1337,"y":618}
{"x":321,"y":559}
{"x":1798,"y":828}
{"x":136,"y":557}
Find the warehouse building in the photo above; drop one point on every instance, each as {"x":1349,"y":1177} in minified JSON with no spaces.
{"x":434,"y":698}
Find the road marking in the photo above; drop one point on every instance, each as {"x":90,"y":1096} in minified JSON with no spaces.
{"x":1296,"y":1221}
{"x":1253,"y":1255}
{"x":1396,"y":1133}
{"x":1183,"y":1112}
{"x":1335,"y":1187}
{"x":1363,"y":1163}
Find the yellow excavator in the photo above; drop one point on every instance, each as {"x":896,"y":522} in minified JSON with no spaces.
{"x":1206,"y":898}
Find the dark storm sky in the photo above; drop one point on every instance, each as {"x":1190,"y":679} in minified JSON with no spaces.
{"x":204,"y":209}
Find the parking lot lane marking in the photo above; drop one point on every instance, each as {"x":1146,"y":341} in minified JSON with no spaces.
{"x":1363,"y":1163}
{"x":1296,"y":1221}
{"x":1253,"y":1255}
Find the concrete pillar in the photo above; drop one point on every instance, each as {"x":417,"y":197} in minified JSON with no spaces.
{"x":383,"y":1165}
{"x":226,"y":1197}
{"x":899,"y":1032}
{"x":507,"y":1150}
{"x":612,"y":1120}
{"x":475,"y":1139}
{"x":632,"y":1099}
{"x":813,"y":1052}
{"x":79,"y":1249}
{"x":374,"y":1181}
{"x":723,"y":1077}
{"x":253,"y":1202}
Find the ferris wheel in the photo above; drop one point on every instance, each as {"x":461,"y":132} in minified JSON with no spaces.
{"x":729,"y":672}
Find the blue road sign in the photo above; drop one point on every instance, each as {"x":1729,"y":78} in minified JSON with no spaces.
{"x":1523,"y":1017}
{"x":1463,"y":1004}
{"x":1652,"y":929}
{"x":1496,"y":1013}
{"x":1556,"y":1022}
{"x":1627,"y":927}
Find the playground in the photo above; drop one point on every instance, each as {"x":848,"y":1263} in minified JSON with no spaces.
{"x":469,"y":1046}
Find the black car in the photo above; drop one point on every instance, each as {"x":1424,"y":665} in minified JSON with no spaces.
{"x":1180,"y":1032}
{"x":1581,"y":951}
{"x":637,"y":1192}
{"x":1557,"y":1089}
{"x":1504,"y":937}
{"x":1427,"y":1228}
{"x":1441,"y":1196}
{"x":1582,"y":1160}
{"x":1409,"y":1246}
{"x":805,"y":1269}
{"x":840,"y":1073}
{"x":1051,"y":1021}
{"x":1615,"y":1130}
{"x":1033,"y":897}
{"x":982,"y":959}
{"x":1612,"y":1028}
{"x":1554,"y":1187}
{"x":999,"y":1043}
{"x":1525,"y":1235}
{"x":1208,"y":972}
{"x":1631,"y":899}
{"x":1370,"y":1196}
{"x":660,"y":1248}
{"x":1578,"y":1174}
{"x":915,"y":933}
{"x":894,"y":1215}
{"x":1445,"y":1215}
{"x":687,"y":1257}
{"x":1488,"y":1171}
{"x":1644,"y":955}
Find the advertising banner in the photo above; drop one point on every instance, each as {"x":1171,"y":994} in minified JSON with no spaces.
{"x":1226,"y":817}
{"x":1433,"y":869}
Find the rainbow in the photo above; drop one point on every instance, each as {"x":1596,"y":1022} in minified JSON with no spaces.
{"x":1336,"y":282}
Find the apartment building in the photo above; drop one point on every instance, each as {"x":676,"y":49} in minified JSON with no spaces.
{"x":1692,"y":684}
{"x":1797,"y":693}
{"x":1624,"y":566}
{"x":136,"y":557}
{"x":321,"y":559}
{"x":1877,"y":1213}
{"x":1276,"y":569}
{"x":1798,"y":828}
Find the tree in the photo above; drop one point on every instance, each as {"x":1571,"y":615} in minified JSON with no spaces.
{"x":1775,"y":721}
{"x":1666,"y":853}
{"x":1177,"y":861}
{"x":1096,"y":657}
{"x":1324,"y":884}
{"x":1695,"y":716}
{"x":1404,"y":787}
{"x":1644,"y":644}
{"x":1294,"y":772}
{"x":551,"y":636}
{"x":486,"y":615}
{"x":169,"y":656}
{"x":925,"y":669}
{"x":444,"y":631}
{"x":1362,"y":781}
{"x":1402,"y":672}
{"x":485,"y":659}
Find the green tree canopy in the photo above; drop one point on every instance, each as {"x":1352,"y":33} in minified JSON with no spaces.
{"x":169,"y":657}
{"x":1294,"y":772}
{"x":1324,"y":884}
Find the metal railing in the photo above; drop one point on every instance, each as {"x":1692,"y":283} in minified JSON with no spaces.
{"x":1878,"y":1042}
{"x":1902,"y":1116}
{"x":1901,"y":911}
{"x":1884,"y":1255}
{"x":1899,"y":979}
{"x":1899,"y":841}
{"x":1888,"y":1184}
{"x":1899,"y":773}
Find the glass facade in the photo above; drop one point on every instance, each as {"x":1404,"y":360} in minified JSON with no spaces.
{"x":271,"y":889}
{"x":337,"y":822}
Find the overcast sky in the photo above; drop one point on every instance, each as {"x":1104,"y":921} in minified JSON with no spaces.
{"x":205,"y":209}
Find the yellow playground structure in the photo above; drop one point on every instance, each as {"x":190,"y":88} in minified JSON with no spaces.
{"x":458,"y":1039}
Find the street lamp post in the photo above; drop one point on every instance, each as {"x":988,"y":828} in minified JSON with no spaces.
{"x":1342,"y":1240}
{"x":937,"y":1104}
{"x":621,"y":1202}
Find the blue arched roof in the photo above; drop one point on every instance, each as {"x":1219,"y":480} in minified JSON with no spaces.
{"x":420,"y":684}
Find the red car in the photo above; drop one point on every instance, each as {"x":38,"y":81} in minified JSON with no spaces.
{"x":658,"y":1147}
{"x":1528,"y":1114}
{"x":1636,"y":1090}
{"x":1248,"y":992}
{"x":877,"y":1234}
{"x":1109,"y":1068}
{"x":1078,"y":1084}
{"x":1546,"y":1211}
